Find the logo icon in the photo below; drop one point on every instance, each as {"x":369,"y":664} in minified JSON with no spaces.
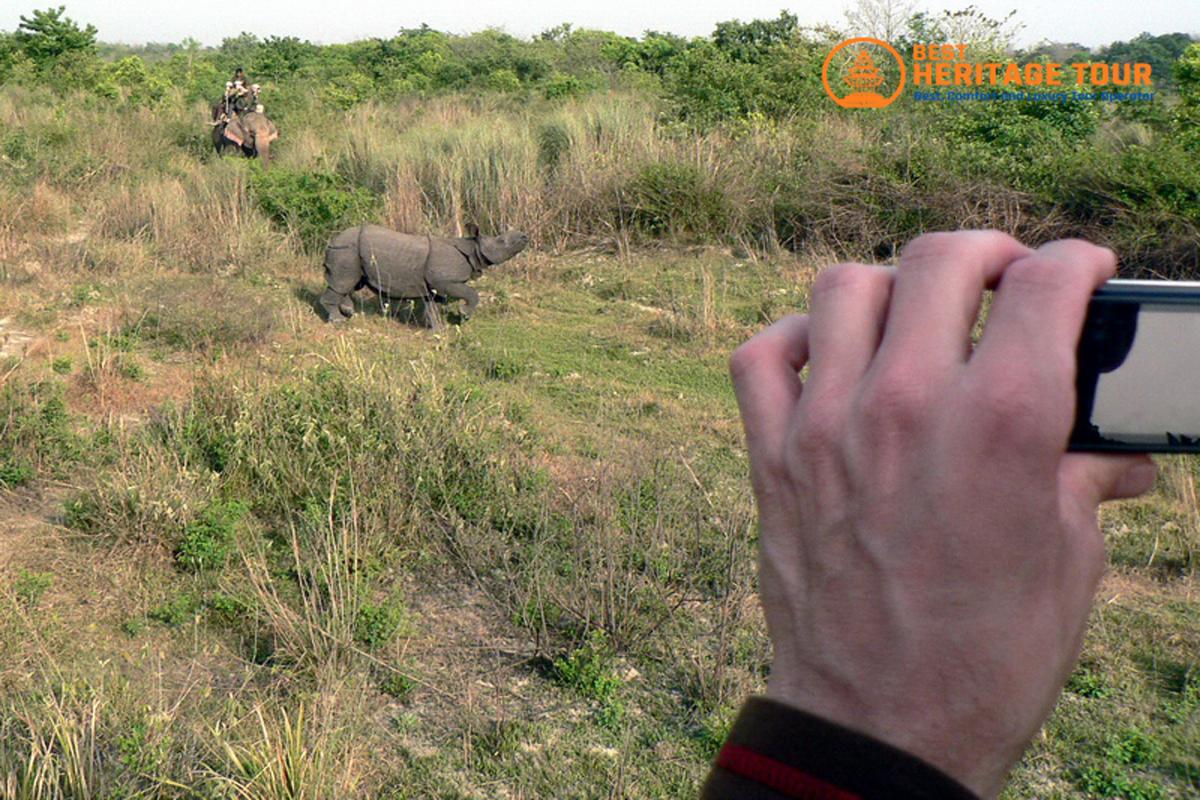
{"x":863,"y":78}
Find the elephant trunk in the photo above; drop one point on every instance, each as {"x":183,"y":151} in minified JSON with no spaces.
{"x":264,"y":153}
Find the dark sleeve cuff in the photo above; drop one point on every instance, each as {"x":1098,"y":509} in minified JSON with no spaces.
{"x":775,"y":751}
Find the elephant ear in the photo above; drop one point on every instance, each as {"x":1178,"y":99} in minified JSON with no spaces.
{"x":472,"y":230}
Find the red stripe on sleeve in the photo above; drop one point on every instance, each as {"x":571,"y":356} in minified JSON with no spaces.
{"x":778,"y":776}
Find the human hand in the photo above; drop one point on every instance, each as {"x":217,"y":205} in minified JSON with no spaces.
{"x":929,"y":551}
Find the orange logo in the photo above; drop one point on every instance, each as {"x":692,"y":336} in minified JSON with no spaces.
{"x":863,"y":78}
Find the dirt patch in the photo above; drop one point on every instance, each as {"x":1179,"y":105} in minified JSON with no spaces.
{"x":127,"y":399}
{"x":13,"y":342}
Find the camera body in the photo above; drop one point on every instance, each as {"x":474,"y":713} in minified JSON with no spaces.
{"x":1138,"y":378}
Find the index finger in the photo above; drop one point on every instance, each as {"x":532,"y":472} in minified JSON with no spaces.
{"x":1032,"y":333}
{"x":766,"y":379}
{"x":1040,"y":305}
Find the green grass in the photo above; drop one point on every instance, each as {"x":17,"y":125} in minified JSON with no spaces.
{"x":514,"y":557}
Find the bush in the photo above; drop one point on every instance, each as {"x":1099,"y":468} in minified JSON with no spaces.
{"x":376,"y":623}
{"x":589,"y":671}
{"x":554,"y":142}
{"x":208,"y":540}
{"x":312,"y":205}
{"x":36,"y":433}
{"x":674,"y":198}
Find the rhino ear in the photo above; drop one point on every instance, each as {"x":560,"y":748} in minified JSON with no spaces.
{"x":472,"y":230}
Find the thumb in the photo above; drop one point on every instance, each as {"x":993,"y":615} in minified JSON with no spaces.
{"x":1096,"y":478}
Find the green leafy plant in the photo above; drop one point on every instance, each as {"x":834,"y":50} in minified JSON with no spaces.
{"x":14,"y":471}
{"x":30,"y":586}
{"x":376,"y":624}
{"x":397,"y":685}
{"x":208,"y":540}
{"x":588,"y":669}
{"x":312,"y":205}
{"x":178,"y":610}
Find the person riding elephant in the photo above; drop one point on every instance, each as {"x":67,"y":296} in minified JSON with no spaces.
{"x":238,"y":120}
{"x":240,"y":94}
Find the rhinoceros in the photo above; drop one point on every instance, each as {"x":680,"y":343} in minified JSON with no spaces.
{"x":408,"y":266}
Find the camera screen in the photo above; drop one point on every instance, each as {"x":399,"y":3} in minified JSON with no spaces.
{"x":1139,"y":377}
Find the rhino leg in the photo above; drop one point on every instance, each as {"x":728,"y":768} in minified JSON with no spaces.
{"x":460,"y":291}
{"x":343,"y":275}
{"x":433,"y":318}
{"x":335,"y":303}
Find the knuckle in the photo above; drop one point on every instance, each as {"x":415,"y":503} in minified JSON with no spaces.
{"x":942,"y":248}
{"x":895,"y":401}
{"x":1012,"y":409}
{"x":929,"y":247}
{"x":819,"y":428}
{"x":747,"y":358}
{"x":1040,"y":273}
{"x":845,"y":277}
{"x":814,"y":436}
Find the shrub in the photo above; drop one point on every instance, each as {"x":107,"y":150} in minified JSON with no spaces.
{"x":674,"y":198}
{"x":397,"y":685}
{"x":312,"y":205}
{"x":376,"y":623}
{"x":36,"y":433}
{"x":554,"y":142}
{"x":180,"y":609}
{"x":589,"y":671}
{"x":562,"y":86}
{"x":14,"y":472}
{"x":207,"y":540}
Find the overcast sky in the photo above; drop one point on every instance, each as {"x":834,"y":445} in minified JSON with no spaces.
{"x":138,"y":21}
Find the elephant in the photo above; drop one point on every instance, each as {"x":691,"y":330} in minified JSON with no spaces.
{"x":402,"y":266}
{"x":250,"y":131}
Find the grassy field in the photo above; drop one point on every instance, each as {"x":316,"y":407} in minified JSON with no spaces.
{"x":248,"y":555}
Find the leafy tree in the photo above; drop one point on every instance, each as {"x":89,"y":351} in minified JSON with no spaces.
{"x":1160,"y":52}
{"x":1187,"y":76}
{"x":592,"y":51}
{"x":48,"y":36}
{"x":239,"y":51}
{"x":656,"y":50}
{"x":708,"y":86}
{"x":750,"y":42}
{"x":130,"y":80}
{"x":988,"y":37}
{"x":1056,"y":52}
{"x":279,"y":57}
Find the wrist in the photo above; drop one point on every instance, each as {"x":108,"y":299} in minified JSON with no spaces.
{"x":798,"y":754}
{"x":912,"y":729}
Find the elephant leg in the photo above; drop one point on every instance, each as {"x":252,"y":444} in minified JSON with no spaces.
{"x":333,"y":302}
{"x":347,"y":307}
{"x":460,"y":291}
